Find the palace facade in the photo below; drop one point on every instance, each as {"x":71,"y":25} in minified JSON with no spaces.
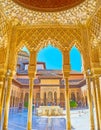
{"x":48,"y":85}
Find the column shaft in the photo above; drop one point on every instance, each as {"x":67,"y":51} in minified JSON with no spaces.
{"x":67,"y":101}
{"x":98,"y":99}
{"x":95,"y":104}
{"x":90,"y":105}
{"x":7,"y":103}
{"x":29,"y":123}
{"x":1,"y":95}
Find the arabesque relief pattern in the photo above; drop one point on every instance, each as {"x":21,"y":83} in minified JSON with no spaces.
{"x":38,"y":34}
{"x":80,"y":13}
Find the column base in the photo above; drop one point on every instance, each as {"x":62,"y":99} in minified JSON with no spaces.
{"x":0,"y":114}
{"x":29,"y":129}
{"x":68,"y":127}
{"x":5,"y":128}
{"x":29,"y":126}
{"x":92,"y":128}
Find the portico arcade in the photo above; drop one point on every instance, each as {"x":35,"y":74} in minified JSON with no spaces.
{"x":32,"y":65}
{"x":86,"y":36}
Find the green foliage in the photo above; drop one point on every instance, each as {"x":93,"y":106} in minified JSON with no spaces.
{"x":73,"y":104}
{"x":26,"y":104}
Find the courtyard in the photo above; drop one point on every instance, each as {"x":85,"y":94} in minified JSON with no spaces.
{"x":18,"y":120}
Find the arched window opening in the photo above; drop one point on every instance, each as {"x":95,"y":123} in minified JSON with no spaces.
{"x":73,"y":96}
{"x":45,"y":99}
{"x":55,"y":98}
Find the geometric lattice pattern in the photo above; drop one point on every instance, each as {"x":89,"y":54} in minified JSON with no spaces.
{"x":60,"y":37}
{"x":3,"y":31}
{"x":95,"y":28}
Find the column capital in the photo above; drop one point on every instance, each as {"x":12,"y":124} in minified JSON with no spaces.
{"x":32,"y":64}
{"x":66,"y":57}
{"x":2,"y":72}
{"x":96,"y":70}
{"x":66,"y":64}
{"x":31,"y":71}
{"x":92,"y":72}
{"x":88,"y":72}
{"x":9,"y":73}
{"x":66,"y":70}
{"x":33,"y":55}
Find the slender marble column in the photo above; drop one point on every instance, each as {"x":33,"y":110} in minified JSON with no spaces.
{"x":66,"y":71}
{"x":92,"y":127}
{"x":31,"y":73}
{"x":67,"y":101}
{"x":29,"y":123}
{"x":98,"y":98}
{"x":7,"y":103}
{"x":95,"y":103}
{"x":1,"y":94}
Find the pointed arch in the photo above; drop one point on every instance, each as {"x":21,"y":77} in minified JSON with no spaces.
{"x":52,"y":56}
{"x":77,"y":45}
{"x":21,"y":45}
{"x":53,"y":42}
{"x":76,"y":63}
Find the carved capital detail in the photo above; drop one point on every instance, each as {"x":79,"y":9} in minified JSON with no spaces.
{"x":96,"y":70}
{"x":31,"y":71}
{"x":66,"y":70}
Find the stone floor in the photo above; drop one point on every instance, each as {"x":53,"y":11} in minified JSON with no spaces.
{"x":79,"y":119}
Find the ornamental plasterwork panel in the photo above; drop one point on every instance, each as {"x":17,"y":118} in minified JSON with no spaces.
{"x":3,"y":31}
{"x":38,"y":37}
{"x":79,"y":13}
{"x":95,"y":28}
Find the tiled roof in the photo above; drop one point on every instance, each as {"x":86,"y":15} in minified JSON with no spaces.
{"x":26,"y":81}
{"x":48,"y":72}
{"x":79,"y":82}
{"x":22,"y":72}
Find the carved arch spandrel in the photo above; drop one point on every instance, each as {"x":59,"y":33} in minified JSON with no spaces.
{"x":3,"y":30}
{"x":35,"y":35}
{"x":52,"y":42}
{"x":94,"y":27}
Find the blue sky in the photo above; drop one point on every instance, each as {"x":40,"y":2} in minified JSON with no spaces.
{"x":53,"y":58}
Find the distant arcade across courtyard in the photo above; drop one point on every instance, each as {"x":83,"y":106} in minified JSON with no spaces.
{"x":49,"y":86}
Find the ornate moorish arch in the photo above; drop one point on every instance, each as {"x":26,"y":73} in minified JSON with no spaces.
{"x":53,"y":42}
{"x":38,"y":36}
